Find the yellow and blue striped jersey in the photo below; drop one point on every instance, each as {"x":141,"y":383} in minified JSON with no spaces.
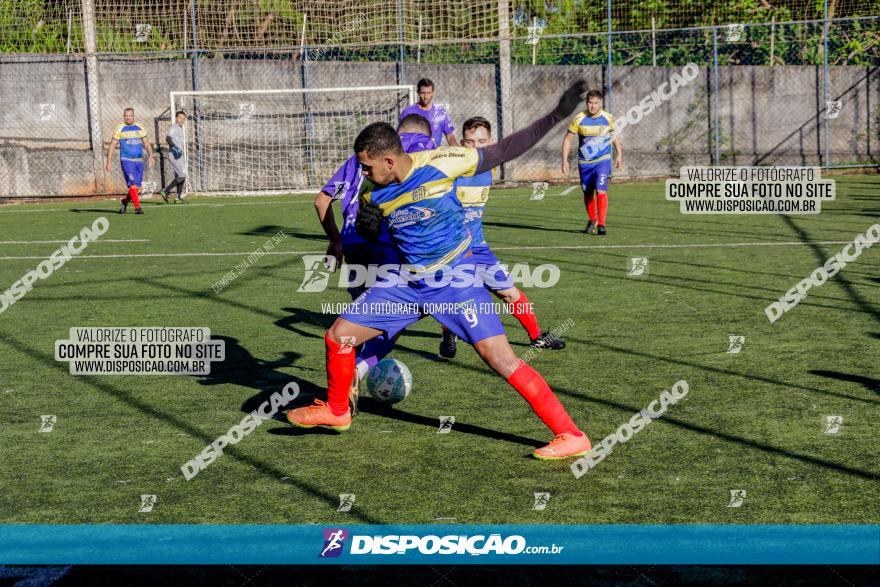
{"x":473,"y":193}
{"x":594,"y":136}
{"x":423,"y":214}
{"x":131,"y":139}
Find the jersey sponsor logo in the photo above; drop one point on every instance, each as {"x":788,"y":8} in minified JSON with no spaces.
{"x":471,"y":214}
{"x":409,"y":216}
{"x":420,"y":193}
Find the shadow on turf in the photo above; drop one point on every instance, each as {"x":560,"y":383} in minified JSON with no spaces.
{"x":240,"y":367}
{"x":368,"y":405}
{"x":870,"y":383}
{"x":821,"y":255}
{"x":148,"y":411}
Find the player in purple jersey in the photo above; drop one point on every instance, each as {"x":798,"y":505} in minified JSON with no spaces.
{"x":438,"y":116}
{"x":415,"y":136}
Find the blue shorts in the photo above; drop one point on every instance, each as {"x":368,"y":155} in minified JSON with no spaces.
{"x":133,"y":172}
{"x":377,"y":253}
{"x":495,"y":277}
{"x":595,"y":176}
{"x":466,"y":311}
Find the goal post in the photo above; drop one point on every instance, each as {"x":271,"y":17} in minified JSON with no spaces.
{"x":251,"y":142}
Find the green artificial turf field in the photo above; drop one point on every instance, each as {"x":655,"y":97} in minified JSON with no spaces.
{"x":753,"y":420}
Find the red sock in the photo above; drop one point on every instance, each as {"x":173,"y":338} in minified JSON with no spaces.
{"x":535,"y":390}
{"x":340,"y":374}
{"x":603,"y":207}
{"x":591,"y":206}
{"x":522,"y":310}
{"x":133,"y":194}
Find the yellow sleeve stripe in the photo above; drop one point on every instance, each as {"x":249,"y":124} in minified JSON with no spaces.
{"x":473,"y":195}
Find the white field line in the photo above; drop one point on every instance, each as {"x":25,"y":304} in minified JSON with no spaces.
{"x":109,"y":240}
{"x":511,"y":248}
{"x":568,"y":190}
{"x":113,"y":210}
{"x":306,"y":200}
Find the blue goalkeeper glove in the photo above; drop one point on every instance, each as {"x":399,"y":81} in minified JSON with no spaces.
{"x":176,"y":152}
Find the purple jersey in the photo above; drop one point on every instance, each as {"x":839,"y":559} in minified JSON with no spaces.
{"x":346,"y":182}
{"x":441,"y":123}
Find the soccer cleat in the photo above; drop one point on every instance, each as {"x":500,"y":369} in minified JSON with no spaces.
{"x":546,"y":340}
{"x":600,"y":230}
{"x":591,"y":227}
{"x":164,"y":195}
{"x":319,"y":414}
{"x":353,"y":395}
{"x":138,"y":211}
{"x":447,"y":345}
{"x":564,"y":446}
{"x":123,"y":207}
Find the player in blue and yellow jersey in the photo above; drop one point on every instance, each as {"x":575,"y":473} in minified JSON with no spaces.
{"x":473,"y":193}
{"x":132,"y":140}
{"x":413,"y":196}
{"x":595,"y":131}
{"x":415,"y":136}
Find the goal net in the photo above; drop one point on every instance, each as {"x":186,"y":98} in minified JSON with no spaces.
{"x":277,"y":141}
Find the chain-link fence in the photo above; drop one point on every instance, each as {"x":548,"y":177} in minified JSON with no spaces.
{"x":796,"y":92}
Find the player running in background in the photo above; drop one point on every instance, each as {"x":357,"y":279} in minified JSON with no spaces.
{"x":473,"y":192}
{"x":441,"y":123}
{"x":414,"y":194}
{"x":131,"y":138}
{"x":176,"y":139}
{"x":415,"y":136}
{"x":593,"y":127}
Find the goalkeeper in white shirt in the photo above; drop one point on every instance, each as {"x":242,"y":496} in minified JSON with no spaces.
{"x":176,"y":138}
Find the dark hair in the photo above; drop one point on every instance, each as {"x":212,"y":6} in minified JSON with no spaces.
{"x":415,"y":121}
{"x":127,"y":108}
{"x":377,"y":139}
{"x":424,"y":83}
{"x":178,"y":113}
{"x":595,"y":94}
{"x":476,"y":122}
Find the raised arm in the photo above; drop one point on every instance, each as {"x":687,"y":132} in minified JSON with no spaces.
{"x":524,"y":139}
{"x":324,"y":208}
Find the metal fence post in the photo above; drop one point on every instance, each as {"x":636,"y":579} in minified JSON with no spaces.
{"x":826,"y":81}
{"x":503,"y":104}
{"x":196,"y":84}
{"x":400,"y":73}
{"x":90,"y":40}
{"x":717,"y":137}
{"x":608,"y":91}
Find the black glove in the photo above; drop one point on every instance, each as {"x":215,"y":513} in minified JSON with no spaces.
{"x":570,"y":100}
{"x":368,"y":222}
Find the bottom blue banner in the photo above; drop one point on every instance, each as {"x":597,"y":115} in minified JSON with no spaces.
{"x":452,"y":544}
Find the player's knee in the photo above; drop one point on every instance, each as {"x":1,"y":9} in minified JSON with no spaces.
{"x":498,"y":354}
{"x":335,"y":333}
{"x":508,"y":296}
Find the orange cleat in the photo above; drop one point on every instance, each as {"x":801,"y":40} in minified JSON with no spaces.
{"x":319,"y":414}
{"x":564,"y":446}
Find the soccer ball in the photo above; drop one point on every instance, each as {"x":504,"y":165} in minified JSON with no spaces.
{"x":389,"y":381}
